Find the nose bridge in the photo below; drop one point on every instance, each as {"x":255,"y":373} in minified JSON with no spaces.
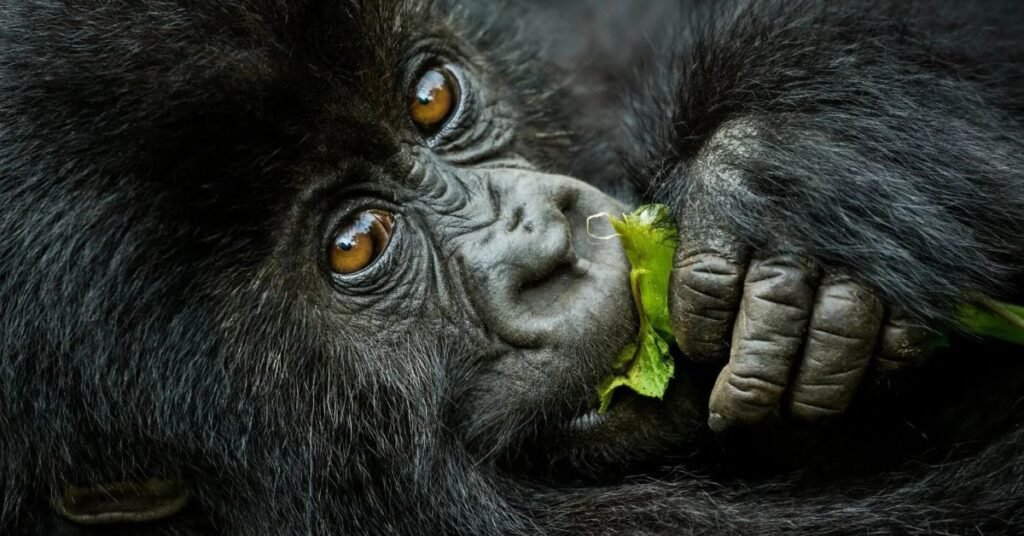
{"x":512,"y":219}
{"x":527,"y":201}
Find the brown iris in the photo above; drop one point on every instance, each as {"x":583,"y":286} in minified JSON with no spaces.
{"x":361,"y":240}
{"x":433,"y":100}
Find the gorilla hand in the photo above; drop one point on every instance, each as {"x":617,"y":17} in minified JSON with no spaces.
{"x":802,"y":337}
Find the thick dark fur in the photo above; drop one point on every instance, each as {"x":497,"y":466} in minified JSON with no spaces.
{"x":144,"y":176}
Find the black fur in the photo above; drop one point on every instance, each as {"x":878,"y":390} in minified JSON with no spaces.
{"x":145,"y":154}
{"x":885,"y":139}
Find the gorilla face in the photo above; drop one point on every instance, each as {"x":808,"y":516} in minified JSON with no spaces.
{"x":458,"y":236}
{"x":323,"y":225}
{"x":327,"y":262}
{"x":294,"y":257}
{"x":467,"y":241}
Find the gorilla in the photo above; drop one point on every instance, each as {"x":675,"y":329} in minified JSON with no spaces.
{"x":324,"y":267}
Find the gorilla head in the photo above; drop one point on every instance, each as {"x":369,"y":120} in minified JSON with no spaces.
{"x":315,"y":252}
{"x":325,"y":265}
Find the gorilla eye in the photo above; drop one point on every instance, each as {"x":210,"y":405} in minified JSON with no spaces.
{"x":434,"y":100}
{"x":360,"y":241}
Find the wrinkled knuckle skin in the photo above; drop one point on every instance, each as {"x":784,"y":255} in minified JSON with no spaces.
{"x":902,"y":346}
{"x":826,"y":396}
{"x":753,"y":389}
{"x":781,"y":277}
{"x":713,"y":278}
{"x":841,"y":338}
{"x":742,"y":399}
{"x":847,"y":312}
{"x":770,"y":330}
{"x":837,"y":334}
{"x":703,"y":299}
{"x":779,"y":294}
{"x":815,"y":411}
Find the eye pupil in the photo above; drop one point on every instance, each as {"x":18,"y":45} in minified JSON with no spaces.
{"x":360,"y":241}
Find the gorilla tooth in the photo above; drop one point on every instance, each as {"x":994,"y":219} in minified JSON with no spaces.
{"x":589,"y":421}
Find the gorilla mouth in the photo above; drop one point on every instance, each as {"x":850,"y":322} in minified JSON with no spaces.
{"x":635,"y":430}
{"x":541,"y":404}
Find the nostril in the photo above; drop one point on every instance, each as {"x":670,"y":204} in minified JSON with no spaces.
{"x":515,"y":219}
{"x":566,"y":202}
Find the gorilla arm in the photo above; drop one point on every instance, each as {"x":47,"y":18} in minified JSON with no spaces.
{"x":813,"y":184}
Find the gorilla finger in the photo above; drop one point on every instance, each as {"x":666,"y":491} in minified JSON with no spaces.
{"x":776,"y":307}
{"x":841,"y":339}
{"x":705,"y":290}
{"x":904,"y":343}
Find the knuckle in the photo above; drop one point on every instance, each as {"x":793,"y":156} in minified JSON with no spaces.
{"x":783,"y":267}
{"x":844,"y":312}
{"x":709,"y":262}
{"x":694,"y":295}
{"x":783,"y":283}
{"x":768,"y":346}
{"x":753,"y":389}
{"x":827,"y":382}
{"x":763,"y":320}
{"x":838,"y":336}
{"x":826,"y":366}
{"x":808,"y":410}
{"x":707,"y":280}
{"x":902,"y":346}
{"x":707,"y":316}
{"x":788,"y":302}
{"x":701,"y":327}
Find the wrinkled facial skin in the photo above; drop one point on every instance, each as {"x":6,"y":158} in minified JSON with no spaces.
{"x":170,"y":285}
{"x":511,"y":262}
{"x":494,"y":255}
{"x":500,"y":258}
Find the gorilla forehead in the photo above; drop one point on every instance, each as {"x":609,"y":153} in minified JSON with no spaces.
{"x":193,"y":128}
{"x":213,"y":115}
{"x":143,"y":76}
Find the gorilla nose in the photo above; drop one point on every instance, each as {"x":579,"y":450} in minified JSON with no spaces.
{"x":537,"y":242}
{"x":532,"y":267}
{"x":539,"y":249}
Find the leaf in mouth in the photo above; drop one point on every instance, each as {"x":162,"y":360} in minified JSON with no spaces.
{"x":648,"y":236}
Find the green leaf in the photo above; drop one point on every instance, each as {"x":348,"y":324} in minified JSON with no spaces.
{"x":997,"y":320}
{"x":648,"y":236}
